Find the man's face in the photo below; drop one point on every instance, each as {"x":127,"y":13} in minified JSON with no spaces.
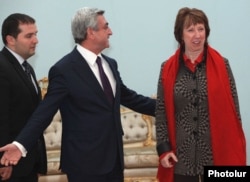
{"x":25,"y":43}
{"x":102,"y":34}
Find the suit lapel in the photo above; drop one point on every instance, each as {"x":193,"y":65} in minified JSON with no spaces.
{"x":82,"y":68}
{"x":16,"y":65}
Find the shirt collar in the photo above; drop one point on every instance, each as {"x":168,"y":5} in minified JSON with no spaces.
{"x":17,"y":56}
{"x":89,"y":56}
{"x":189,"y":64}
{"x":197,"y":61}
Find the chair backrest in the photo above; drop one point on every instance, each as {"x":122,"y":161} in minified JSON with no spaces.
{"x":138,"y":128}
{"x":53,"y":133}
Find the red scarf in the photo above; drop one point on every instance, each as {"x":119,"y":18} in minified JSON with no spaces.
{"x":227,"y":137}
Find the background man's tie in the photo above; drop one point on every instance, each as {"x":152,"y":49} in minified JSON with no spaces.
{"x":105,"y":82}
{"x":27,"y":69}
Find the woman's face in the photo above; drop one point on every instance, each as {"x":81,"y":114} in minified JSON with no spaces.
{"x":194,"y":37}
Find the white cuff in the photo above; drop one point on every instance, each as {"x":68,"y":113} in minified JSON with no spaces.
{"x":21,"y":148}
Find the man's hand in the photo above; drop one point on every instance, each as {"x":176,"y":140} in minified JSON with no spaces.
{"x":5,"y":172}
{"x":11,"y":155}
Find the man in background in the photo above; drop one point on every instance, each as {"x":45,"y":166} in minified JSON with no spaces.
{"x":19,"y":95}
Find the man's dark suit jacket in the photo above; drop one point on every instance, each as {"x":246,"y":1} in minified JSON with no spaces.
{"x":18,"y":100}
{"x":92,"y":130}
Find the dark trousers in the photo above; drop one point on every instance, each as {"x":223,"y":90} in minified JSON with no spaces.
{"x":183,"y":178}
{"x":32,"y":177}
{"x":116,"y":175}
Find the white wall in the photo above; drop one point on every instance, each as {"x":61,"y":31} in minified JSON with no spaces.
{"x":143,"y":37}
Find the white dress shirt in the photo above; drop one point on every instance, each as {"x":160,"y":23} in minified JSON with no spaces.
{"x":90,"y":58}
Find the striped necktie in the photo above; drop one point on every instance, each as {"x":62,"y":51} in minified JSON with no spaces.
{"x":27,"y":69}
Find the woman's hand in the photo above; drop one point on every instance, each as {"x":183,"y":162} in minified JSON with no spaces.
{"x":168,"y":160}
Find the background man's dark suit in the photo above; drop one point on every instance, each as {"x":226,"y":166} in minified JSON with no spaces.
{"x":18,"y":100}
{"x":92,"y":131}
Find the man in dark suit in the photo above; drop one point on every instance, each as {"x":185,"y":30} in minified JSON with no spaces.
{"x":19,"y":96}
{"x":92,"y":147}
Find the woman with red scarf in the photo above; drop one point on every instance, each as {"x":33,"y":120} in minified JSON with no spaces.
{"x":197,"y":116}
